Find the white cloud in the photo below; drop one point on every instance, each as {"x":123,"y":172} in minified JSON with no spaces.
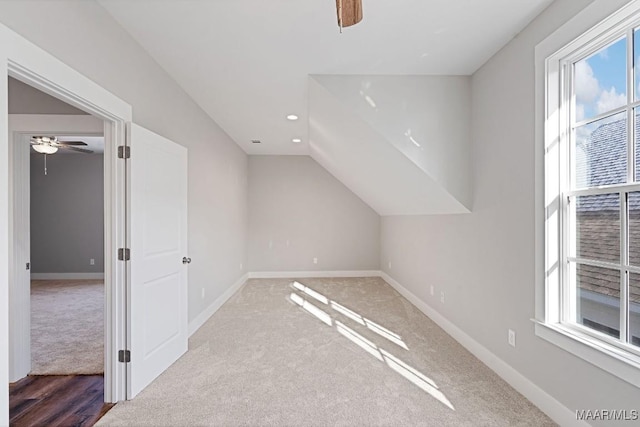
{"x":604,"y":54}
{"x":579,"y":112}
{"x":587,"y":86}
{"x":591,"y":98}
{"x":610,"y":99}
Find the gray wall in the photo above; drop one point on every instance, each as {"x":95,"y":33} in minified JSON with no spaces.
{"x":87,"y":39}
{"x":299,"y":212}
{"x":67,"y":213}
{"x":24,"y":99}
{"x":485,"y":261}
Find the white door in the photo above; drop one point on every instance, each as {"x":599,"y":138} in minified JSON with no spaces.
{"x":20,"y":253}
{"x":158,"y":243}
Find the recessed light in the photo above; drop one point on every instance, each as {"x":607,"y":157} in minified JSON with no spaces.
{"x":292,"y":117}
{"x":296,"y":140}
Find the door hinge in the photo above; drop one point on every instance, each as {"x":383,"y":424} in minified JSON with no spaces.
{"x":124,"y":152}
{"x":28,"y":266}
{"x":124,"y":254}
{"x":124,"y":356}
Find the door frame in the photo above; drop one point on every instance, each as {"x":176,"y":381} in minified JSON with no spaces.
{"x":21,"y":126}
{"x":34,"y":66}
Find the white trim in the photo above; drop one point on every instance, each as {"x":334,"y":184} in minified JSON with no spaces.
{"x":29,"y":63}
{"x":310,"y":274}
{"x":67,"y":276}
{"x":597,"y":25}
{"x":597,"y":352}
{"x":549,"y":405}
{"x":4,"y":243}
{"x":202,"y":318}
{"x":36,"y":67}
{"x":19,"y":255}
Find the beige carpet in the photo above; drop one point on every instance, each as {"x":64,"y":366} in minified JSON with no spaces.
{"x":325,"y":352}
{"x":67,"y":327}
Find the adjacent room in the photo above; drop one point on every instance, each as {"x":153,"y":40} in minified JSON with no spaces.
{"x":67,"y":261}
{"x":320,"y":213}
{"x":59,"y":303}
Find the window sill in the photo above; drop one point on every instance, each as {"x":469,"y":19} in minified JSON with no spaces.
{"x":604,"y":356}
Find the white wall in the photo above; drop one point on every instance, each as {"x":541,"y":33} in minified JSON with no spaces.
{"x":485,"y":262}
{"x":300,"y":212}
{"x":87,"y":39}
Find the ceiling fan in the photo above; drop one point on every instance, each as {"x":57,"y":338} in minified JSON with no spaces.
{"x":349,"y":12}
{"x":51,"y":144}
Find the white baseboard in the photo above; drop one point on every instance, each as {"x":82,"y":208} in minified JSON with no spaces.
{"x":547,"y":404}
{"x":67,"y":276}
{"x":200,"y":320}
{"x":309,"y":274}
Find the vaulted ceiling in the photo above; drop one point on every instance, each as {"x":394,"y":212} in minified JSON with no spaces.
{"x":248,"y":64}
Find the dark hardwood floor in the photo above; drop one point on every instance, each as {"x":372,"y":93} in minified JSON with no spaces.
{"x":57,"y":400}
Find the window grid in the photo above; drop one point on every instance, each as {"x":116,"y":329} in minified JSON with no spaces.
{"x":569,"y":293}
{"x":591,"y":341}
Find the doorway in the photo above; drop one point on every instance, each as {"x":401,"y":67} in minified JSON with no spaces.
{"x":72,"y":125}
{"x":28,"y":63}
{"x":66,"y":254}
{"x":146,"y":192}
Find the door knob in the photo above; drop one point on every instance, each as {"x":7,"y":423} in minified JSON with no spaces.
{"x":186,"y":260}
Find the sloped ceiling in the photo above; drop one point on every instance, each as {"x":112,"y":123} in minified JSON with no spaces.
{"x":247,"y":64}
{"x":426,"y":118}
{"x":366,"y":162}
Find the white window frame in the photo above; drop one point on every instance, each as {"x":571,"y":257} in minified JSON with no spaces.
{"x":555,"y":302}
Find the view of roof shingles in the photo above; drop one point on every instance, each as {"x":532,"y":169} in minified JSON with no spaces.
{"x":598,"y":216}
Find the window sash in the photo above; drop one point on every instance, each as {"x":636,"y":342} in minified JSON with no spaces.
{"x":554,"y":55}
{"x":568,"y":125}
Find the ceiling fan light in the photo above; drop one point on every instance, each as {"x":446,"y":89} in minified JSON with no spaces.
{"x":45,"y":148}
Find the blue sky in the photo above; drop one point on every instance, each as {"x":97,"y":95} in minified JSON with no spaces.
{"x":601,"y":80}
{"x":609,"y":66}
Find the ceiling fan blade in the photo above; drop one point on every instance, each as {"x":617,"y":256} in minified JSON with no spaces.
{"x":43,"y":139}
{"x":70,"y":143}
{"x":80,"y":150}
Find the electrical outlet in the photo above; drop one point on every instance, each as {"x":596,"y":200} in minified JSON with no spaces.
{"x":202,"y":293}
{"x":512,"y":338}
{"x":315,"y":260}
{"x":288,"y":243}
{"x":442,"y":297}
{"x":389,"y":265}
{"x":270,"y":244}
{"x":92,"y":261}
{"x":240,"y":266}
{"x":433,"y":290}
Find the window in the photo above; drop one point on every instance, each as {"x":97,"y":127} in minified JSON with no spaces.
{"x":592,"y":194}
